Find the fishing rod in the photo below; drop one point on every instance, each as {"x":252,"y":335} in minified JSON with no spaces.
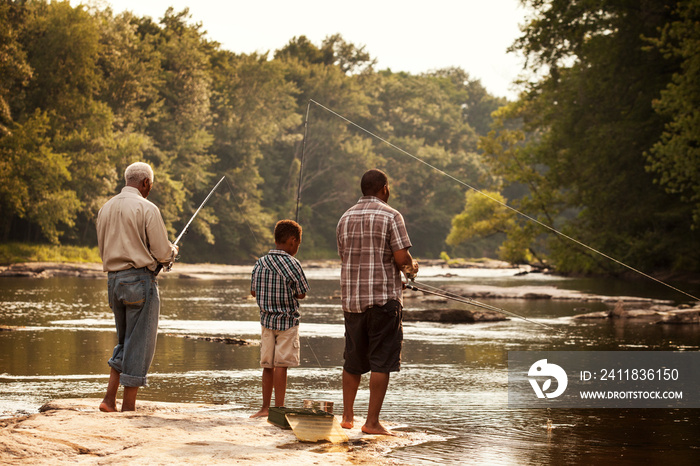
{"x":184,"y":230}
{"x":301,"y":164}
{"x":462,"y":299}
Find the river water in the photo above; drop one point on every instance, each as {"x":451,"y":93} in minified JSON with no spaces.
{"x":453,"y":383}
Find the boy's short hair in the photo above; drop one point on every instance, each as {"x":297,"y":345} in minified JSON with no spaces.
{"x":285,"y":229}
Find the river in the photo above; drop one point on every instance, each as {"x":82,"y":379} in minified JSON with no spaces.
{"x":453,"y":383}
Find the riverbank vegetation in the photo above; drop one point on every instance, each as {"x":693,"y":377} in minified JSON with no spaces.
{"x":602,"y":146}
{"x":13,"y":253}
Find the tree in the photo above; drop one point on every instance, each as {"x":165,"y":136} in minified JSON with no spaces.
{"x":253,"y":109}
{"x":62,"y":47}
{"x":181,"y":131}
{"x":335,"y":156}
{"x":589,"y":122}
{"x":675,"y":158}
{"x":34,"y":180}
{"x":15,"y":72}
{"x":425,"y":116}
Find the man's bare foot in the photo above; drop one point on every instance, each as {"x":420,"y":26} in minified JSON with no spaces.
{"x":377,"y":430}
{"x":106,"y":407}
{"x":261,"y":413}
{"x":348,"y":421}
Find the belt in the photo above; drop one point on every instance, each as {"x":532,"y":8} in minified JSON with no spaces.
{"x":131,"y":270}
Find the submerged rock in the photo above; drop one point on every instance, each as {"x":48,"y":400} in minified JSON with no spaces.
{"x":660,"y":314}
{"x":452,"y":316}
{"x":540,"y":292}
{"x":52,"y":269}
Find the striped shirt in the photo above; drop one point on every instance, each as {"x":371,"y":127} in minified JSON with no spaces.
{"x":368,"y":234}
{"x":277,"y":280}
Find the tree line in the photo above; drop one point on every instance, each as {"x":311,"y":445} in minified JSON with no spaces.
{"x":602,"y":146}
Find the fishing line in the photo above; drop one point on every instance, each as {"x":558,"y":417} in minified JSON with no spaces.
{"x":544,"y":225}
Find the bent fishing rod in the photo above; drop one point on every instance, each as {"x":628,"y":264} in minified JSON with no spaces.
{"x":461,"y":299}
{"x":184,"y":230}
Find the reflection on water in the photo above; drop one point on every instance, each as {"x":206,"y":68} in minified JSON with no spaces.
{"x":452,"y":386}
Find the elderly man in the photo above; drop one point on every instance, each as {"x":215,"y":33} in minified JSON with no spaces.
{"x":373,"y":245}
{"x":133,"y":240}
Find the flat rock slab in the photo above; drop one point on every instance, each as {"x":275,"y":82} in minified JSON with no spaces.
{"x":659,"y":314}
{"x":538,"y":292}
{"x":74,"y":431}
{"x":452,"y":316}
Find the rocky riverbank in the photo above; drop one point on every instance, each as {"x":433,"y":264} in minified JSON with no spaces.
{"x":74,"y":431}
{"x":201,"y":271}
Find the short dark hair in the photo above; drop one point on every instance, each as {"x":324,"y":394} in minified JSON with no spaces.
{"x":285,"y":229}
{"x":373,"y":181}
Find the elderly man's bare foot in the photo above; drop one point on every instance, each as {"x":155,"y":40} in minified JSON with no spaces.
{"x":377,"y":429}
{"x":106,"y":407}
{"x":263,"y":412}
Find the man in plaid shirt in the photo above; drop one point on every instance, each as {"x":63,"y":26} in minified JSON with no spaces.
{"x":278,"y":282}
{"x":373,"y":246}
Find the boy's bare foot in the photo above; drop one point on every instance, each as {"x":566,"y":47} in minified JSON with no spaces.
{"x":106,"y":407}
{"x":261,"y":413}
{"x":377,"y":430}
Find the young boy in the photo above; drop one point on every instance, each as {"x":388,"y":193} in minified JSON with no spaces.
{"x":278,"y":282}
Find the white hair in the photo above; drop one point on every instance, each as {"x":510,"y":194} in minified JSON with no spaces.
{"x":137,"y":172}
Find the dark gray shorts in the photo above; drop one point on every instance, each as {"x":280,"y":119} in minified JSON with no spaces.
{"x":373,"y":339}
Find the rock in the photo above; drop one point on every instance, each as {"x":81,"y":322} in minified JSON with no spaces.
{"x":74,"y":431}
{"x":655,"y":313}
{"x":53,"y":269}
{"x":682,"y":316}
{"x":594,"y":315}
{"x":539,"y":292}
{"x":452,"y":316}
{"x":226,"y":340}
{"x":8,"y":328}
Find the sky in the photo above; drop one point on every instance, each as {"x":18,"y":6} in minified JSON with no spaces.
{"x":406,"y":35}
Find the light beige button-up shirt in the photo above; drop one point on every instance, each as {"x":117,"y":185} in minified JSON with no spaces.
{"x":131,"y":233}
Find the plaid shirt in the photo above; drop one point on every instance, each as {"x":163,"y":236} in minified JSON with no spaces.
{"x":368,"y":234}
{"x":277,"y":279}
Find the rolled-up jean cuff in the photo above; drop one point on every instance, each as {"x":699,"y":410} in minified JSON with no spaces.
{"x":133,"y":381}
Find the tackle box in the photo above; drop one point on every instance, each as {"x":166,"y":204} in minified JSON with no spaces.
{"x":278,"y":415}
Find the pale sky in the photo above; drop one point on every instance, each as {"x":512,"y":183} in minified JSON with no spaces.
{"x":404,"y":35}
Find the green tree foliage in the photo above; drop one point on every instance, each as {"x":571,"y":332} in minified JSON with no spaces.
{"x":585,"y":126}
{"x":85,"y":92}
{"x":335,"y":156}
{"x":14,"y":69}
{"x":254,"y":109}
{"x":428,"y":117}
{"x":675,"y":158}
{"x":34,"y":180}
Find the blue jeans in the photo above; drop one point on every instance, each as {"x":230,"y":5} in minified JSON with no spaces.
{"x":135,"y":301}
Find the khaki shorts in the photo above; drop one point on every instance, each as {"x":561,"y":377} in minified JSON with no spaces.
{"x":279,"y":348}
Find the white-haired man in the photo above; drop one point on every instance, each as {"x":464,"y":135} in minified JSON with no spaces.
{"x":133,"y":240}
